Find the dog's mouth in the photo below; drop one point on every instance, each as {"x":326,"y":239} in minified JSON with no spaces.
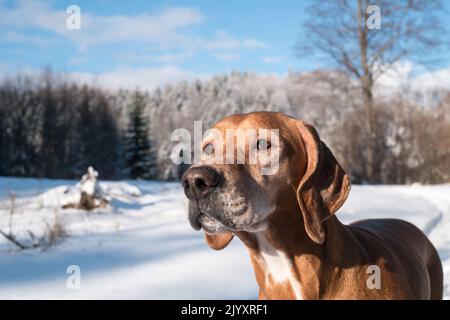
{"x":207,"y":219}
{"x":201,"y":220}
{"x":210,"y":225}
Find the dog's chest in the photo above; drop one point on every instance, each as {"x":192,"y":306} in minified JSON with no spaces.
{"x":277,"y":267}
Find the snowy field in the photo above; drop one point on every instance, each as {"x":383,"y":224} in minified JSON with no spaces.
{"x":142,"y":246}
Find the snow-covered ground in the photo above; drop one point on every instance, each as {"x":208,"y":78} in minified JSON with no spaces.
{"x":143,"y":247}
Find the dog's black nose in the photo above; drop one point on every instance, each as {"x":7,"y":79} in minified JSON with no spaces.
{"x":199,"y":181}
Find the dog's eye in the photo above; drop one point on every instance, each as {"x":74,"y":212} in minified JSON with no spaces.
{"x":263,"y":144}
{"x":208,"y":149}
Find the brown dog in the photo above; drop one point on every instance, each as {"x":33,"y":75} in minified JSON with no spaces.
{"x":298,"y":248}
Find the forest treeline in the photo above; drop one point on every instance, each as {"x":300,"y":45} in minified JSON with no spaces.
{"x":55,"y":128}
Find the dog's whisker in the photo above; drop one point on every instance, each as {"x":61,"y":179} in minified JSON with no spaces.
{"x":294,"y":188}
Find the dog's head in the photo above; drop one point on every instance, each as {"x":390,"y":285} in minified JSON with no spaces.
{"x":230,"y":190}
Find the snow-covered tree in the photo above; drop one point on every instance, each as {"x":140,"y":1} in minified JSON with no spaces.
{"x":51,"y":127}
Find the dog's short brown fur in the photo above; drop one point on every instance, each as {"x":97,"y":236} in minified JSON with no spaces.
{"x":300,"y":250}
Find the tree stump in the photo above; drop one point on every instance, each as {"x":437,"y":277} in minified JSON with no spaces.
{"x":91,"y":194}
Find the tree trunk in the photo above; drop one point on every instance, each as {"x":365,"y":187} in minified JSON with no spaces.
{"x":366,"y":81}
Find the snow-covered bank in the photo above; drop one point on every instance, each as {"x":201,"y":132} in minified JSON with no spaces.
{"x":143,"y":247}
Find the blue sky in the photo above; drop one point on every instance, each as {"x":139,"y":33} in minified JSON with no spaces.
{"x":156,"y":41}
{"x":212,"y":37}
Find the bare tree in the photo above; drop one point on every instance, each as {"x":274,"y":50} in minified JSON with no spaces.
{"x":345,"y":34}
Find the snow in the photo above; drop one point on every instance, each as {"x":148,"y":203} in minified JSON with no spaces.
{"x":88,"y":183}
{"x":142,"y":246}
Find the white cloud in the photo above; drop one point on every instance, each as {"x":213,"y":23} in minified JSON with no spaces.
{"x":162,"y":29}
{"x":170,"y":57}
{"x":407,"y":74}
{"x":413,"y":81}
{"x":120,"y":78}
{"x":164,"y":58}
{"x":166,"y":30}
{"x":404,"y":74}
{"x":254,"y":44}
{"x":143,"y":78}
{"x":439,"y":79}
{"x":397,"y":75}
{"x":272,"y":59}
{"x":228,"y":57}
{"x":224,"y":41}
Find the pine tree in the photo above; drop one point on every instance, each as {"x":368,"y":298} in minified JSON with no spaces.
{"x":140,"y":160}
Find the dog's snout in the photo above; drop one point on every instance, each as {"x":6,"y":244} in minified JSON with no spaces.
{"x":199,"y":181}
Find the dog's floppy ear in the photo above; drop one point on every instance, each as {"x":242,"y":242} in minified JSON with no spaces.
{"x":218,"y":241}
{"x":323,"y":188}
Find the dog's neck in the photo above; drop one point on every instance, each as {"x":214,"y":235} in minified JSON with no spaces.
{"x":288,"y":263}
